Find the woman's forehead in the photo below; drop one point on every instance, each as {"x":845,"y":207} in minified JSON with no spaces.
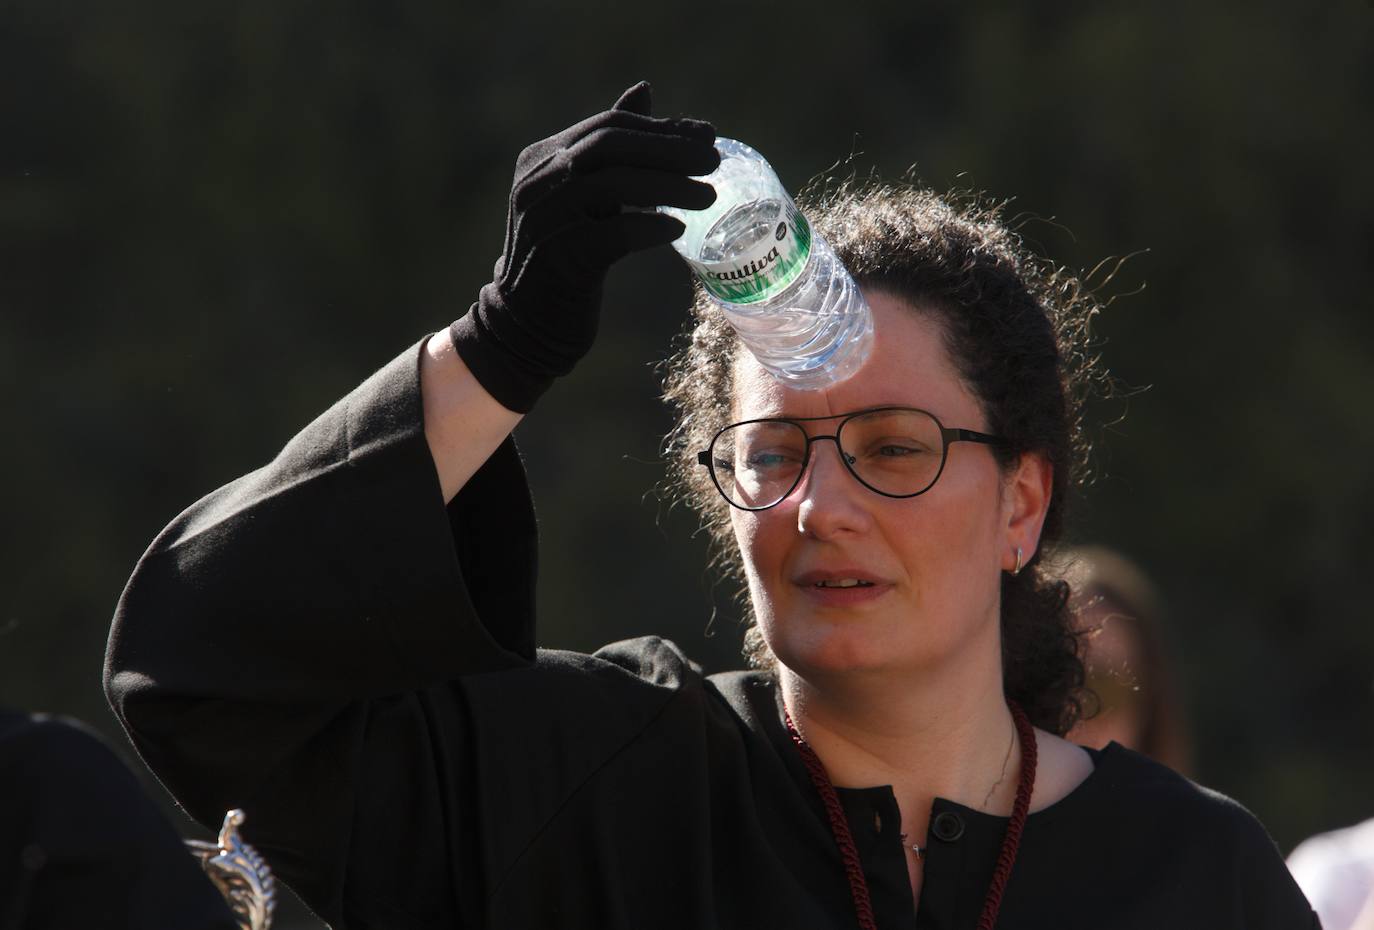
{"x":909,"y":366}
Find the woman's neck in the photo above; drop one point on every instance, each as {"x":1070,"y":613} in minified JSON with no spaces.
{"x":944,"y":734}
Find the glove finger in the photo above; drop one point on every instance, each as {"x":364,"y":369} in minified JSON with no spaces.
{"x":607,"y":147}
{"x":637,"y":99}
{"x":647,"y":187}
{"x":624,"y":119}
{"x":606,"y":241}
{"x":607,"y":193}
{"x":583,"y":206}
{"x":543,"y":157}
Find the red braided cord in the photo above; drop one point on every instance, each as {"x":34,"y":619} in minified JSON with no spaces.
{"x":1012,"y":841}
{"x":839,"y":826}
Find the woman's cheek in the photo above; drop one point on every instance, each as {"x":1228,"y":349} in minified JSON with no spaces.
{"x":761,"y":550}
{"x":754,"y":545}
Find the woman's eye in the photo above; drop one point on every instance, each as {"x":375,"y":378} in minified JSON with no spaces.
{"x":900,"y":450}
{"x":770,"y":459}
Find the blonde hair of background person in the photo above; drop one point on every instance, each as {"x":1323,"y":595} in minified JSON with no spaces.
{"x":1134,"y":697}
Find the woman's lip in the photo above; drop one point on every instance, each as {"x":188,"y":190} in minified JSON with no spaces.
{"x":844,"y":597}
{"x":838,"y":573}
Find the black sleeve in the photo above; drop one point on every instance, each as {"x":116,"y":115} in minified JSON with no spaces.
{"x":81,"y":845}
{"x":327,"y":568}
{"x":285,"y":646}
{"x":1267,"y":896}
{"x":1236,"y":863}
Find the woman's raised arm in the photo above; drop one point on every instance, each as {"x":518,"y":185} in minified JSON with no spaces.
{"x":296,"y":642}
{"x":463,"y":423}
{"x":580,"y":201}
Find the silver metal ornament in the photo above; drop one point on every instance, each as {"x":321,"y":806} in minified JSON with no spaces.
{"x":240,"y":874}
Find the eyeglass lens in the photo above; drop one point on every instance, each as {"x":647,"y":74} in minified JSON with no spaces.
{"x":897,"y":452}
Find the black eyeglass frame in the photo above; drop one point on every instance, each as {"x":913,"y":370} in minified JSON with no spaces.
{"x":947,"y":435}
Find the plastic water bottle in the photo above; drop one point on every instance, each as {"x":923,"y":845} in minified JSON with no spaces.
{"x":780,"y":285}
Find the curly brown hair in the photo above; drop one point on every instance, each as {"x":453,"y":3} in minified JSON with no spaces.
{"x":1017,"y":329}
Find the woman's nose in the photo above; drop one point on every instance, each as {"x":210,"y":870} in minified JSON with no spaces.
{"x":829,"y":497}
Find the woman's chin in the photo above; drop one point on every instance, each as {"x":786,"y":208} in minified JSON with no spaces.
{"x":838,"y":651}
{"x":863,"y":644}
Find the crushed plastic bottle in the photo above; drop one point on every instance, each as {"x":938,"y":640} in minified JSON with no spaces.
{"x":780,"y":285}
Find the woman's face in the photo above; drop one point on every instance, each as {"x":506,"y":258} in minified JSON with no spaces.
{"x":935,"y":559}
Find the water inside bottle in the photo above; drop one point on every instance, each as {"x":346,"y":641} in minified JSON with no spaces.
{"x":740,"y":230}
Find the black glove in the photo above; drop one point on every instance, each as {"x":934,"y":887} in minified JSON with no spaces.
{"x":567,"y":225}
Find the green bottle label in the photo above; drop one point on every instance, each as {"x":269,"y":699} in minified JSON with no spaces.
{"x":766,"y":269}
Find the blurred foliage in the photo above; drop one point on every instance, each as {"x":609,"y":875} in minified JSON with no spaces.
{"x":215,"y":218}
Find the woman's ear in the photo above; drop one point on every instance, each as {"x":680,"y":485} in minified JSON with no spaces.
{"x":1026,"y":500}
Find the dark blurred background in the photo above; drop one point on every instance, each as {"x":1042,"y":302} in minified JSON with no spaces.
{"x":216,"y":218}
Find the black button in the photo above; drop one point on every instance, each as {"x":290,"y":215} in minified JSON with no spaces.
{"x":947,"y":826}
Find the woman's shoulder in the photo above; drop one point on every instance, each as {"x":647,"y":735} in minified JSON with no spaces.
{"x":650,"y":659}
{"x":661,"y":663}
{"x":1196,"y":847}
{"x":1135,"y":793}
{"x":624,"y":685}
{"x":645,"y":674}
{"x":1148,"y":787}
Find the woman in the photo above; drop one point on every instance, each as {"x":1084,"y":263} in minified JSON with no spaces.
{"x":341,"y":643}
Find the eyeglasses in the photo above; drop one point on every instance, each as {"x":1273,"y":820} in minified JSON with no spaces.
{"x":893,"y":451}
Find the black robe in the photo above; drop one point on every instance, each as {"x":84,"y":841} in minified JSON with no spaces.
{"x":326,"y":645}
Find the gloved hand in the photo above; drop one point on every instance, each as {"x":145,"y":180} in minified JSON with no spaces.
{"x":567,"y":225}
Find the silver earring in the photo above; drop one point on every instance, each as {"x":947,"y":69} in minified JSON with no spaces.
{"x":1017,"y":569}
